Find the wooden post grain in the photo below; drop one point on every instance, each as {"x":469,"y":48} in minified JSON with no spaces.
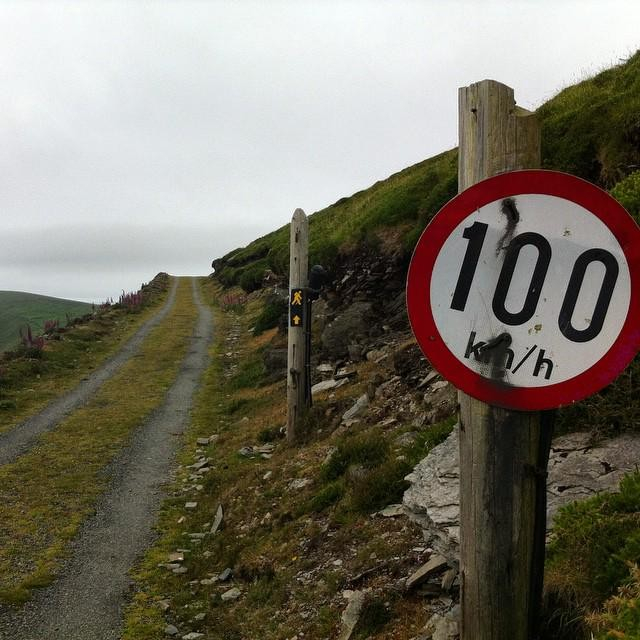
{"x":296,"y":370}
{"x":503,"y":454}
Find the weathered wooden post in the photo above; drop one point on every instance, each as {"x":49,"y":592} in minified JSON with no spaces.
{"x":298,"y":276}
{"x":503,"y":453}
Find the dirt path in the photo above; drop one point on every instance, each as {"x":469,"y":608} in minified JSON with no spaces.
{"x":88,"y":598}
{"x":19,"y":440}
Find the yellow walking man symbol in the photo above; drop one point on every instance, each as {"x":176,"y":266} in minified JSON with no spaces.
{"x":297,"y":298}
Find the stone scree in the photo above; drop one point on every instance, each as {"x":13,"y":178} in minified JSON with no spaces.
{"x":577,"y":470}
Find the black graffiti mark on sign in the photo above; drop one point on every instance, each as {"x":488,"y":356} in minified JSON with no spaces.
{"x":482,"y":351}
{"x":476,"y":235}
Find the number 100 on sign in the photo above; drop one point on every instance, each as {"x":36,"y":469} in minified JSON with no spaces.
{"x":522,"y":291}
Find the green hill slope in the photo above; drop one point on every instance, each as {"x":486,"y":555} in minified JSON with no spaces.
{"x":591,"y":129}
{"x":18,"y":309}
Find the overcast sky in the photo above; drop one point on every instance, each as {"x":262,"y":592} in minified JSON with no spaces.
{"x":138,"y":137}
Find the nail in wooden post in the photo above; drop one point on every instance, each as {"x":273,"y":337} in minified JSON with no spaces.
{"x":500,"y":450}
{"x":298,"y":279}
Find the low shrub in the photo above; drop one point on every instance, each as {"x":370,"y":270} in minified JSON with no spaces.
{"x":326,"y":497}
{"x":430,"y":438}
{"x":250,"y":373}
{"x":620,"y":617}
{"x":250,"y":278}
{"x":366,"y":450}
{"x":32,"y":345}
{"x":274,"y":308}
{"x":270,"y":434}
{"x":594,"y":541}
{"x":374,"y":617}
{"x":627,"y":192}
{"x":380,"y":486}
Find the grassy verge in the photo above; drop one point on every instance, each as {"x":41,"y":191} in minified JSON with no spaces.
{"x":48,"y":492}
{"x":298,"y":526}
{"x":18,"y":309}
{"x":29,"y":382}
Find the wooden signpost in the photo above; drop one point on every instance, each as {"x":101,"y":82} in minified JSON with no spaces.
{"x":524,"y":291}
{"x":298,"y":280}
{"x":503,"y":453}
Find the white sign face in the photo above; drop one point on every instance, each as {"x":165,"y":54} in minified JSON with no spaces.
{"x":556,"y":282}
{"x":524,"y":290}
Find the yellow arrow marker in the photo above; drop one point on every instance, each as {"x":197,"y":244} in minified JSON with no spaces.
{"x":296,"y":320}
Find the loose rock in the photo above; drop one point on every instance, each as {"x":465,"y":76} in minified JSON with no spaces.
{"x":225,"y":575}
{"x":217,"y":522}
{"x":351,"y":614}
{"x":577,"y":469}
{"x":436,"y":565}
{"x":361,"y":404}
{"x":232,"y":594}
{"x":325,"y":385}
{"x":392,"y":511}
{"x":299,"y":483}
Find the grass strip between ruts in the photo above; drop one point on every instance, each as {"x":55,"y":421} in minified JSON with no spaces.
{"x":47,"y":493}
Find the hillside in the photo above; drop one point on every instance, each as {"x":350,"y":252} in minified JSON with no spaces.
{"x":384,"y":411}
{"x":19,"y":309}
{"x":591,"y":130}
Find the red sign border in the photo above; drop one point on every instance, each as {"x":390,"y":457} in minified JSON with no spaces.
{"x":514,"y":183}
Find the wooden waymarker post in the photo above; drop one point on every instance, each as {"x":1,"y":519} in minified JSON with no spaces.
{"x":503,"y":453}
{"x":298,"y":277}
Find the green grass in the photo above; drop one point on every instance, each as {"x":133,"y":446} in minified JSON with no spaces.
{"x":18,"y":309}
{"x":592,"y":129}
{"x":367,"y":450}
{"x":274,"y":308}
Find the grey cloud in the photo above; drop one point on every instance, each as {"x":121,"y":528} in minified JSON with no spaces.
{"x":158,"y":135}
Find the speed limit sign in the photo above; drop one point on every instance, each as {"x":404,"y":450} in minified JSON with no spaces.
{"x":524,"y":290}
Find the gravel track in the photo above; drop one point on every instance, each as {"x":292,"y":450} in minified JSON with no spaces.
{"x":21,"y":438}
{"x":88,"y":598}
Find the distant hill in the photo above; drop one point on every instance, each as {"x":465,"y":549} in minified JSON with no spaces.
{"x":18,"y":309}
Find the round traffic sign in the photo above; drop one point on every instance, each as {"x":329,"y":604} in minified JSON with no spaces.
{"x":524,"y":290}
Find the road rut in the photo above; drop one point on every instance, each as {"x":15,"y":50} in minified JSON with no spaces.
{"x":88,"y":598}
